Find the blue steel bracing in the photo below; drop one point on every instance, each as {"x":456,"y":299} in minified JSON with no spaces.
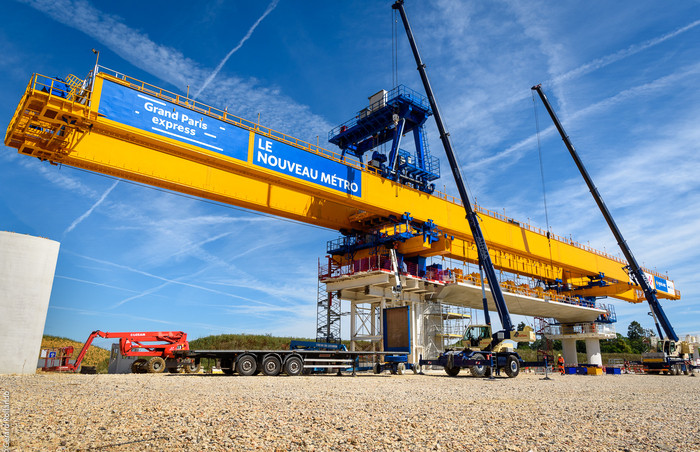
{"x":482,"y":249}
{"x":396,"y":113}
{"x":394,"y":154}
{"x":635,"y":270}
{"x":382,"y":235}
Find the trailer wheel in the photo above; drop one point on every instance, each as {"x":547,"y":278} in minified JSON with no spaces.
{"x":377,"y":369}
{"x":672,"y":370}
{"x":687,"y":370}
{"x":512,"y":366}
{"x":137,"y":366}
{"x":192,"y":367}
{"x":246,"y":365}
{"x":480,"y":370}
{"x":400,"y":368}
{"x":293,"y":366}
{"x":271,"y":365}
{"x":452,"y":371}
{"x":155,"y":365}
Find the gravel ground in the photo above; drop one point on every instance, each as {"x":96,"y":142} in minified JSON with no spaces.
{"x":411,"y":412}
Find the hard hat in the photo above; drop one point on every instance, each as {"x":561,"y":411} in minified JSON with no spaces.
{"x":558,"y":354}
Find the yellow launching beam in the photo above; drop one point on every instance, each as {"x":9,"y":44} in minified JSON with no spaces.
{"x":119,"y":126}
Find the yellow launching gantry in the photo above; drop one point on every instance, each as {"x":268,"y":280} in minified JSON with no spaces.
{"x":113,"y":124}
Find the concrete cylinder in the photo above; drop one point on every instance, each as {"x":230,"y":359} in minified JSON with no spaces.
{"x":27,"y":266}
{"x":569,"y":351}
{"x":593,"y":352}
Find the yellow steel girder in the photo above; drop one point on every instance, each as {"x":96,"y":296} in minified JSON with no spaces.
{"x":74,"y":131}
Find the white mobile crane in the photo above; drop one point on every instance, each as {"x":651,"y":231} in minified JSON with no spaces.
{"x":670,"y":356}
{"x":479,"y":361}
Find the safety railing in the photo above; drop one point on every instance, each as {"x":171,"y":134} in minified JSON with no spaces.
{"x":72,"y":90}
{"x":71,"y":93}
{"x":224,"y":115}
{"x":444,"y":276}
{"x":400,"y":92}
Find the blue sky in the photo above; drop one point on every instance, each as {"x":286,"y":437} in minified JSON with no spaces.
{"x":623,"y":77}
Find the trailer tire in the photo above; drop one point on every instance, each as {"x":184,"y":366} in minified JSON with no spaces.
{"x":271,"y":365}
{"x":137,"y":366}
{"x":155,"y":365}
{"x":293,"y":366}
{"x":687,"y":370}
{"x":246,"y":365}
{"x":377,"y":369}
{"x":512,"y":366}
{"x":452,"y":371}
{"x":478,"y":371}
{"x":400,"y":368}
{"x":192,"y":367}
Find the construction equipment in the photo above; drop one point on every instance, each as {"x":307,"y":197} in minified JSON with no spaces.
{"x":113,"y":124}
{"x":155,"y":347}
{"x":636,"y":273}
{"x":510,"y":360}
{"x":478,"y":337}
{"x":670,"y":356}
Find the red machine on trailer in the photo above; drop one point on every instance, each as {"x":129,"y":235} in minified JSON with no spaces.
{"x":155,"y":347}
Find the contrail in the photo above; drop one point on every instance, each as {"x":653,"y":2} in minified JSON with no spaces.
{"x":89,"y":211}
{"x":269,"y":9}
{"x":667,"y":80}
{"x":621,"y":54}
{"x":599,"y":63}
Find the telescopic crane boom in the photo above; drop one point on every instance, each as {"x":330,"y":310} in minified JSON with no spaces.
{"x":483,"y":253}
{"x":635,"y":271}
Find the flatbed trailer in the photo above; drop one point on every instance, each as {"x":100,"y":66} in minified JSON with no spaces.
{"x":274,"y":362}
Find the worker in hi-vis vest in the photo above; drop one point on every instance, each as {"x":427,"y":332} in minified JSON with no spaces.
{"x":560,"y":361}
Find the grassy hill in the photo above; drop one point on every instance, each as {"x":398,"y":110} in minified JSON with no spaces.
{"x":95,"y":356}
{"x":243,"y":342}
{"x":254,"y":342}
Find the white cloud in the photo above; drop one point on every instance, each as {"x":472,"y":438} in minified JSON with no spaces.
{"x":247,"y":95}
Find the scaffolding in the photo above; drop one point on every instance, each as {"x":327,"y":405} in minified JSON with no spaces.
{"x":328,"y":312}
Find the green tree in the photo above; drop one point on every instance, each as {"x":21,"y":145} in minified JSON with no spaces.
{"x":635,"y":331}
{"x":617,"y":345}
{"x":636,"y":336}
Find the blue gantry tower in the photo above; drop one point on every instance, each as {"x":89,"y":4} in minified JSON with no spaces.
{"x":389,"y":117}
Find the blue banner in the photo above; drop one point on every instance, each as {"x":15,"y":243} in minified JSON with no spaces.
{"x":292,"y":161}
{"x":661,"y":284}
{"x":135,"y":109}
